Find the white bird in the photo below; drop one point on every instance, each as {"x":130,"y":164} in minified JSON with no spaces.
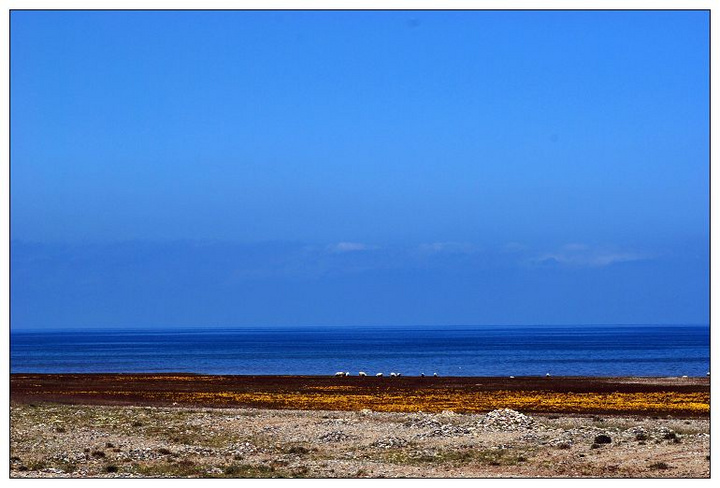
{"x":434,"y":374}
{"x":347,"y":373}
{"x":393,"y":374}
{"x":362,"y":373}
{"x":547,"y":375}
{"x":512,"y":377}
{"x":379,"y":375}
{"x":422,"y":375}
{"x":340,"y":373}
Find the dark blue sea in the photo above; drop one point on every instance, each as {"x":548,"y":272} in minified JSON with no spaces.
{"x":448,"y":351}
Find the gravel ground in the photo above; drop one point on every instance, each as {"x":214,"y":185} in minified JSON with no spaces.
{"x":52,"y":440}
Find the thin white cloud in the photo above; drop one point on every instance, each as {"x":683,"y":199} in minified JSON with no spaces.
{"x":448,"y":247}
{"x":611,"y":258}
{"x":350,"y":247}
{"x":581,"y":255}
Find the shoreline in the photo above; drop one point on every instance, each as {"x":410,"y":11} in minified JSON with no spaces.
{"x":653,"y":396}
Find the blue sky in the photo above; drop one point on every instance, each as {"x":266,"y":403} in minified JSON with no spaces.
{"x":305,"y":168}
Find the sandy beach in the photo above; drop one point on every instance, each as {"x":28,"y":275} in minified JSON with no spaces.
{"x":320,"y":427}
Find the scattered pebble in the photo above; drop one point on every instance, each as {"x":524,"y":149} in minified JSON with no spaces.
{"x":390,"y":443}
{"x":335,"y":436}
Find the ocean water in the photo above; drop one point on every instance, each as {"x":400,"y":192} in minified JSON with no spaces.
{"x":448,"y":351}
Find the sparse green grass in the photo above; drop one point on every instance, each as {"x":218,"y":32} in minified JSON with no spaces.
{"x":296,"y":449}
{"x":191,"y":469}
{"x":685,"y":430}
{"x":175,"y":431}
{"x":457,"y":457}
{"x":37,"y":465}
{"x":613,"y":424}
{"x":250,"y":471}
{"x":181,"y":469}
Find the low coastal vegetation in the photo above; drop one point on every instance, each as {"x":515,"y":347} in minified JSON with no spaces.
{"x":381,"y":395}
{"x":437,"y":401}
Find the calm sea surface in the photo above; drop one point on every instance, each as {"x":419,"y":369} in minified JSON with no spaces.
{"x":450,"y":351}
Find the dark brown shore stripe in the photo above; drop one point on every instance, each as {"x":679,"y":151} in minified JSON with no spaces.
{"x":682,"y":397}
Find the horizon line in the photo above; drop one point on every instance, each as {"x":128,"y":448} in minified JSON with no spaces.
{"x":336,"y":326}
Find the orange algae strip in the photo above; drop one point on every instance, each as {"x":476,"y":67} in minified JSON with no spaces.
{"x":535,"y":401}
{"x":198,"y":390}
